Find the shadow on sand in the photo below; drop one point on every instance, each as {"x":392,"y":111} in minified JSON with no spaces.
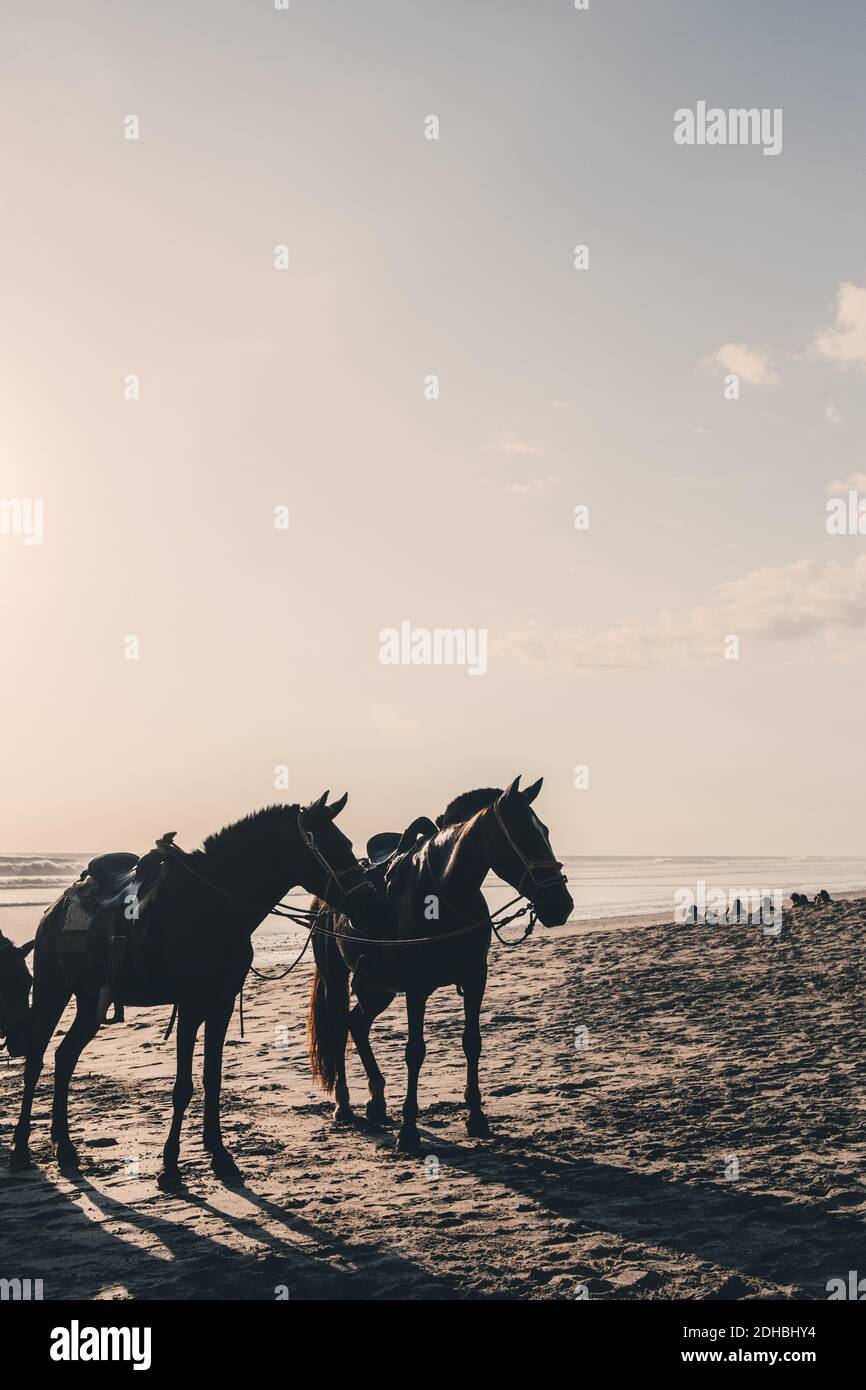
{"x":73,"y":1238}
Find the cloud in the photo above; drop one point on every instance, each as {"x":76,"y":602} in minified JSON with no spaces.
{"x":534,"y":485}
{"x":793,"y":603}
{"x":509,"y":442}
{"x":832,"y":414}
{"x":841,"y":487}
{"x":560,"y":405}
{"x":845,"y":340}
{"x":750,"y":364}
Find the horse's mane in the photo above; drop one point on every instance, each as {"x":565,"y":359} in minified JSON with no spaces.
{"x":466,"y":805}
{"x":237,"y":837}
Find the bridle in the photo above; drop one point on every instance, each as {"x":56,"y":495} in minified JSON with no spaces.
{"x":536,"y":885}
{"x":529,"y":865}
{"x":334,"y":875}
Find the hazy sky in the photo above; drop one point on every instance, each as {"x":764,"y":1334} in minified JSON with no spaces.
{"x":262,"y":387}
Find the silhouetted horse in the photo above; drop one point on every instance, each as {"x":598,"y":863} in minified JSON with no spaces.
{"x":436,"y":891}
{"x":15,"y":982}
{"x":197,"y":929}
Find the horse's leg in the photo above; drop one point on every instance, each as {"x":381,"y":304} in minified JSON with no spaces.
{"x":188,"y":1022}
{"x":338,"y":1002}
{"x":473,"y":994}
{"x":361,"y":1017}
{"x":216,"y":1023}
{"x":409,"y":1140}
{"x":44,"y":1018}
{"x":83,"y":1030}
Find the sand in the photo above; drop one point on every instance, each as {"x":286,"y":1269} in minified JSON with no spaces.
{"x":703,"y":1138}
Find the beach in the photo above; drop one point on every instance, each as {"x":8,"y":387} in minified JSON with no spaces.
{"x":677,"y":1112}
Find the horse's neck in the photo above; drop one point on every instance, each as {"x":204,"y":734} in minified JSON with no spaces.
{"x":466,"y":862}
{"x":255,"y":883}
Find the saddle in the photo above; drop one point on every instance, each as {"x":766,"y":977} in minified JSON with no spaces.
{"x":388,"y":850}
{"x":102,"y":907}
{"x":112,"y":875}
{"x":384,"y":846}
{"x":381,"y":847}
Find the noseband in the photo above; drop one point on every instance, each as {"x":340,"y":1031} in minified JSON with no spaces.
{"x":334,"y":875}
{"x":530,"y":865}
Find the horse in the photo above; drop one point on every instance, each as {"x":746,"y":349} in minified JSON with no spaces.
{"x":196,"y":952}
{"x":435,"y":891}
{"x":15,"y":982}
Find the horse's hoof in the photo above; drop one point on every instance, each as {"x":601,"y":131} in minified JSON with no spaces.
{"x":409,"y":1141}
{"x":20,"y":1160}
{"x":343,"y":1115}
{"x":225,"y":1168}
{"x":67,"y":1156}
{"x":170,"y":1180}
{"x":377,"y":1112}
{"x":477,"y":1127}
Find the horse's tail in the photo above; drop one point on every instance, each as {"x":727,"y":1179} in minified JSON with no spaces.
{"x":329,"y":993}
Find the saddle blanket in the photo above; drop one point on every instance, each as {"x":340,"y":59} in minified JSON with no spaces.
{"x":77,"y":921}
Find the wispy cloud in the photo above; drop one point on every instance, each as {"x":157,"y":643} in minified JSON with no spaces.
{"x":795,"y":603}
{"x":534,"y":485}
{"x":750,"y":364}
{"x":832,"y":414}
{"x":845,"y":340}
{"x":509,"y":442}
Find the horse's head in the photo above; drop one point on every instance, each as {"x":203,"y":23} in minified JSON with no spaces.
{"x":15,"y":982}
{"x":522,"y":856}
{"x":328,"y":867}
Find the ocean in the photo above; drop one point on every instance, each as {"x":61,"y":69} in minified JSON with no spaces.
{"x":603,"y":887}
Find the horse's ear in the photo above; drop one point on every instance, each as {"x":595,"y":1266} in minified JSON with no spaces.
{"x":513,"y":789}
{"x":322,"y":801}
{"x":530,"y":793}
{"x":25,"y":950}
{"x":336,"y":806}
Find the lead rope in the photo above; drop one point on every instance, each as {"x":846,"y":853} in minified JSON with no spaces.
{"x":303,"y":916}
{"x":308,"y":918}
{"x":299,"y":957}
{"x":527,"y":931}
{"x":167,"y":1034}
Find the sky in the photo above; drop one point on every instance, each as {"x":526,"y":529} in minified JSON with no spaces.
{"x":168,"y":646}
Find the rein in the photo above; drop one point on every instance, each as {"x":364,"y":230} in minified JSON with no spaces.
{"x":474,"y":924}
{"x":300,"y":916}
{"x":310,"y":918}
